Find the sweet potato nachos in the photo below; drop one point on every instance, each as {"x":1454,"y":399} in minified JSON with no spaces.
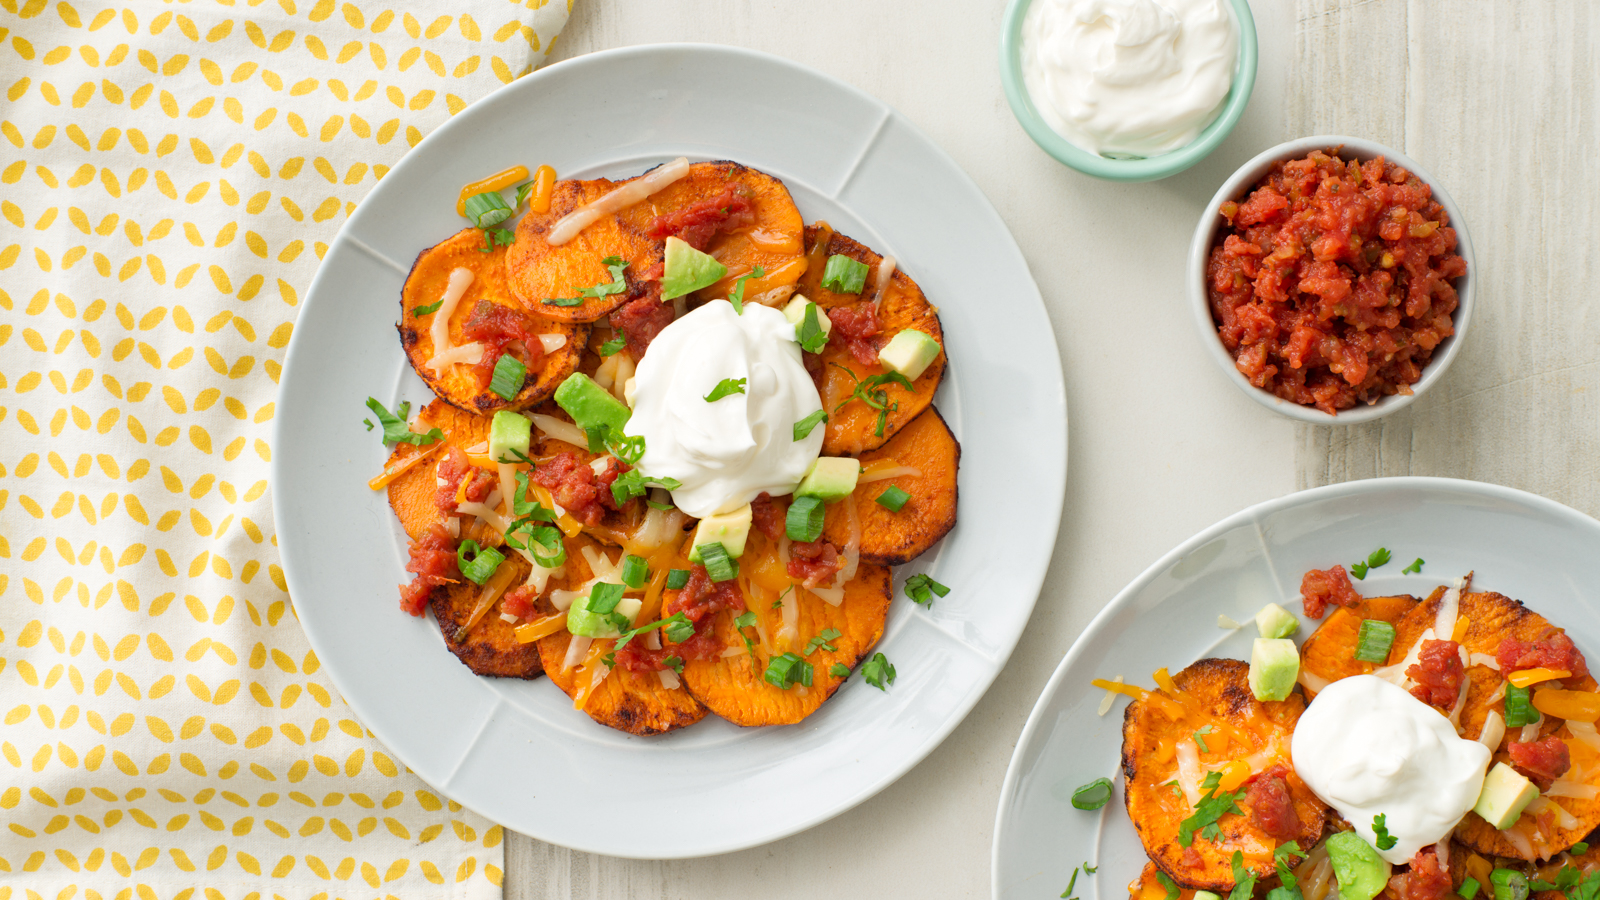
{"x":546,"y":535}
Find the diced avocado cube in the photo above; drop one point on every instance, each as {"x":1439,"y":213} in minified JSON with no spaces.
{"x":1274,"y":666}
{"x":581,"y":621}
{"x":1205,"y":895}
{"x":1506,"y":793}
{"x":910,"y":353}
{"x":728,"y":529}
{"x":686,"y":270}
{"x":507,"y":432}
{"x":1362,"y":874}
{"x":1276,"y":622}
{"x":830,"y":477}
{"x":591,"y":405}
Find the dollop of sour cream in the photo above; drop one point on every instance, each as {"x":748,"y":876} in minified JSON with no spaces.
{"x":1367,"y":747}
{"x":726,"y":451}
{"x":1129,"y":78}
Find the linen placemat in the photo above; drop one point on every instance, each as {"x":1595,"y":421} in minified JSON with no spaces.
{"x":170,"y":175}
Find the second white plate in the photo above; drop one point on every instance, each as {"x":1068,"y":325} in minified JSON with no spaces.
{"x":517,"y":752}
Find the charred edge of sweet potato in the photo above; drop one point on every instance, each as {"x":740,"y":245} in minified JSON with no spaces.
{"x":896,"y":538}
{"x":490,"y":648}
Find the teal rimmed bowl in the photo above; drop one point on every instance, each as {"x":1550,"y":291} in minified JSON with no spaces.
{"x":1148,"y":169}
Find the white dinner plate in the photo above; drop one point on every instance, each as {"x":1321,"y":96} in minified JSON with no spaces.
{"x":1524,"y":546}
{"x":516,"y":751}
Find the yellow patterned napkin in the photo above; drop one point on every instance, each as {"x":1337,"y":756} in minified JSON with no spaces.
{"x":170,"y":174}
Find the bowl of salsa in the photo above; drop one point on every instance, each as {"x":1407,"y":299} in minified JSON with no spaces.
{"x":1332,"y":279}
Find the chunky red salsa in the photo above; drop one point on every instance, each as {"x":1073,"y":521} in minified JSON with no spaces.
{"x":1331,"y":283}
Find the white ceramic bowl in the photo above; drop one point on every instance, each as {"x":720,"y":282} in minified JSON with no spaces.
{"x":1235,"y":188}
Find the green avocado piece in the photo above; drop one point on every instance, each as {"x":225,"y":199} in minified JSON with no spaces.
{"x":730,"y":529}
{"x":910,"y":353}
{"x":1205,"y":895}
{"x":509,"y":431}
{"x":581,"y":621}
{"x":686,"y":269}
{"x":1361,"y":872}
{"x":1506,"y":793}
{"x":1276,"y":622}
{"x":1274,"y":665}
{"x":830,"y":478}
{"x":590,"y":405}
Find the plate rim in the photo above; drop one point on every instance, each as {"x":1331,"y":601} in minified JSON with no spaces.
{"x":1052,"y":481}
{"x":1463,"y":486}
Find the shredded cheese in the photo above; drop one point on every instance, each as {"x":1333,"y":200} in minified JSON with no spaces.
{"x":1494,"y":731}
{"x":1585,"y":733}
{"x":874,"y":472}
{"x":1109,"y":698}
{"x":405,"y":465}
{"x":552,"y":342}
{"x":444,"y":353}
{"x":621,"y":198}
{"x":885,"y":275}
{"x":560,"y":429}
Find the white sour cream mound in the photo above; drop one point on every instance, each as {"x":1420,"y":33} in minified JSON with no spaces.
{"x":1129,"y":78}
{"x":727,"y":451}
{"x":1366,"y":746}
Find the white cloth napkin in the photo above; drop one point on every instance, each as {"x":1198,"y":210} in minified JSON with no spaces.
{"x":170,"y":175}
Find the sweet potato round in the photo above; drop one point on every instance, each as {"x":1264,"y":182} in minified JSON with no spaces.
{"x":538,"y":271}
{"x":852,"y":429}
{"x":733,"y":687}
{"x":1492,"y":618}
{"x":459,"y":384}
{"x":894,"y":538}
{"x":490,"y":647}
{"x":633,"y":702}
{"x":1330,"y":652}
{"x":411,"y":496}
{"x":774,"y":241}
{"x":1216,"y":690}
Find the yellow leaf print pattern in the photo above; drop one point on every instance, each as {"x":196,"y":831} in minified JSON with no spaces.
{"x":170,"y":175}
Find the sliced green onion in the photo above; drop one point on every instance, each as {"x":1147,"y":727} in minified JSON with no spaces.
{"x":613,"y":346}
{"x":634,"y":571}
{"x":1374,"y":641}
{"x":725,"y":388}
{"x":804,"y":520}
{"x":1093,"y":795}
{"x":802,"y":428}
{"x":488,"y":209}
{"x":509,"y":373}
{"x":844,"y":275}
{"x":1509,"y":884}
{"x":481,"y":566}
{"x":421,"y":311}
{"x":921,"y":589}
{"x":1469,"y":888}
{"x":719,"y":565}
{"x":1519,"y":709}
{"x":677,"y":578}
{"x":893,"y":499}
{"x":788,"y":670}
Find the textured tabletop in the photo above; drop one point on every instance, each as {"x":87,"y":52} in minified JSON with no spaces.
{"x":1499,"y":103}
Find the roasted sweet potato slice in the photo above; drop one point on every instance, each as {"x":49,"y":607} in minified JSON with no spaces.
{"x":853,"y":428}
{"x":638,"y":703}
{"x":1491,"y":618}
{"x":1329,"y":653}
{"x":774,"y":241}
{"x":733,"y":687}
{"x":1158,"y":731}
{"x":538,"y":272}
{"x":460,"y":384}
{"x":489,"y":647}
{"x":411,"y":496}
{"x":894,"y":538}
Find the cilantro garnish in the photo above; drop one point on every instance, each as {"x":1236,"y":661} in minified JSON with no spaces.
{"x":368,"y":423}
{"x":1376,"y":559}
{"x":395,"y":429}
{"x":1415,"y":568}
{"x":725,"y":388}
{"x":496,"y":237}
{"x":1206,"y":813}
{"x":617,"y":284}
{"x":869,"y":390}
{"x":421,"y":311}
{"x":613,"y":346}
{"x":746,"y":620}
{"x":809,"y":332}
{"x":1244,"y":880}
{"x":1071,"y":883}
{"x":1199,"y":738}
{"x":878,"y":672}
{"x":1282,"y":857}
{"x":633,"y":483}
{"x":1380,"y":831}
{"x":1166,"y":882}
{"x":823,"y":641}
{"x":676,"y":627}
{"x":736,"y":296}
{"x":839,"y":670}
{"x":802,"y":428}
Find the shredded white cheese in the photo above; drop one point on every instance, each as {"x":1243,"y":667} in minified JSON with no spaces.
{"x":444,"y":353}
{"x":617,"y":200}
{"x":1109,"y":698}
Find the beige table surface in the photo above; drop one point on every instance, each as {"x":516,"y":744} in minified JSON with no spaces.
{"x":1497,"y":99}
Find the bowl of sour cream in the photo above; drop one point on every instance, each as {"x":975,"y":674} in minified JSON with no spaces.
{"x":1128,"y":90}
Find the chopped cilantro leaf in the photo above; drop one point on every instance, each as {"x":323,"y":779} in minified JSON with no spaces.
{"x":727,"y":387}
{"x":823,"y":641}
{"x":395,"y":430}
{"x":878,"y":672}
